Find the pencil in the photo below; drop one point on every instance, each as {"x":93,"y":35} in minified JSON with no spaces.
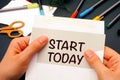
{"x":113,"y":21}
{"x":101,"y":16}
{"x":75,"y":13}
{"x":41,"y":8}
{"x":29,"y":6}
{"x":87,"y":11}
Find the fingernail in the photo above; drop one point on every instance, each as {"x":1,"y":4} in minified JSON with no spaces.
{"x":89,"y":53}
{"x":43,"y":39}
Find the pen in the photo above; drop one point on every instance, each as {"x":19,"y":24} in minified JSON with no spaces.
{"x":87,"y":11}
{"x":77,"y":9}
{"x":29,"y":6}
{"x":41,"y":8}
{"x":113,"y":21}
{"x":101,"y":16}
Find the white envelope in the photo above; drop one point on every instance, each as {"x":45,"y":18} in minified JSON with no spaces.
{"x":43,"y":71}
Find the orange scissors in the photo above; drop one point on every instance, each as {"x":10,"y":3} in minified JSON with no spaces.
{"x":13,"y":28}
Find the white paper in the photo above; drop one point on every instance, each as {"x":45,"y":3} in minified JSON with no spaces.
{"x":26,"y":15}
{"x":14,"y":3}
{"x":42,"y":71}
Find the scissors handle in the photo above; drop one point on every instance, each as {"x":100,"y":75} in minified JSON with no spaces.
{"x":13,"y":33}
{"x":13,"y":29}
{"x":17,"y":33}
{"x":17,"y":22}
{"x":13,"y":26}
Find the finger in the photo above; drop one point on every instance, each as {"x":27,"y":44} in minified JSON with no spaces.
{"x":34,"y":47}
{"x":94,"y":61}
{"x":18,"y":44}
{"x":105,"y":62}
{"x":108,"y":53}
{"x":116,"y":65}
{"x":113,"y":61}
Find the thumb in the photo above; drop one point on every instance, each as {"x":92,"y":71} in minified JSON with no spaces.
{"x":34,"y":47}
{"x":94,"y":61}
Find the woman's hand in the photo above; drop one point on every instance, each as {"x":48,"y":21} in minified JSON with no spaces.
{"x":18,"y":56}
{"x":110,"y":69}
